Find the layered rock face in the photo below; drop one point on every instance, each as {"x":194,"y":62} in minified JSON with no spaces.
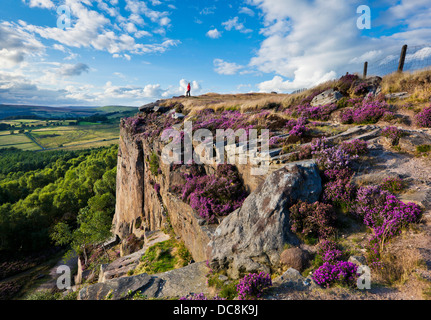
{"x":141,"y":208}
{"x":130,"y":186}
{"x":252,"y":238}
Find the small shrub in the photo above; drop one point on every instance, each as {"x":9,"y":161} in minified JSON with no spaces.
{"x":312,"y":220}
{"x":342,"y":272}
{"x":329,"y":251}
{"x":423,"y":118}
{"x":253,"y":285}
{"x":393,"y":133}
{"x":355,"y":147}
{"x":154,"y":163}
{"x":423,"y":148}
{"x":393,"y":185}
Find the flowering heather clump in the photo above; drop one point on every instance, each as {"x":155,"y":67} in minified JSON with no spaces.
{"x":340,"y":192}
{"x":346,"y":82}
{"x":252,"y":285}
{"x":393,"y":185}
{"x":329,"y":251}
{"x":315,"y":113}
{"x":333,"y":158}
{"x":368,"y":111}
{"x":355,"y":147}
{"x":133,"y":124}
{"x":341,"y":272}
{"x":313,"y":220}
{"x":393,"y":133}
{"x":360,"y":88}
{"x":384,"y":214}
{"x":214,"y":195}
{"x":209,"y":119}
{"x":423,"y":118}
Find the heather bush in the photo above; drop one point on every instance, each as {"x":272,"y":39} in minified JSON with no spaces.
{"x":213,"y":195}
{"x":393,"y":133}
{"x":341,"y":272}
{"x":359,"y":88}
{"x":253,"y":285}
{"x":312,"y":220}
{"x":393,"y":185}
{"x":370,"y":110}
{"x":384,"y":214}
{"x":423,"y":118}
{"x":308,"y":111}
{"x":355,"y":147}
{"x":329,"y":251}
{"x":346,"y":82}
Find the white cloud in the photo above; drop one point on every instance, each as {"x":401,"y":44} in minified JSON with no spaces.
{"x":93,"y":29}
{"x":234,"y":24}
{"x":208,"y":10}
{"x":247,"y":11}
{"x":17,"y":44}
{"x":39,"y":4}
{"x":226,"y":68}
{"x":307,"y":42}
{"x":70,"y":70}
{"x":214,"y":33}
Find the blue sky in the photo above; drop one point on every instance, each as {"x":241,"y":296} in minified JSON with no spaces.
{"x":132,"y":52}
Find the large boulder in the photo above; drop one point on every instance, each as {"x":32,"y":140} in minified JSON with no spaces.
{"x":295,"y":258}
{"x":252,"y":238}
{"x":327,"y":97}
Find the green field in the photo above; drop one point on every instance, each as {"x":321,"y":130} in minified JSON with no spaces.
{"x":68,"y":133}
{"x":19,"y":141}
{"x":72,"y":136}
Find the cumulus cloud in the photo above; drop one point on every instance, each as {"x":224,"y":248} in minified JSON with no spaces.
{"x":48,"y":4}
{"x":214,"y":33}
{"x":308,"y":42}
{"x":94,"y":29}
{"x":234,"y":24}
{"x":226,"y":68}
{"x":17,"y":44}
{"x":70,"y":70}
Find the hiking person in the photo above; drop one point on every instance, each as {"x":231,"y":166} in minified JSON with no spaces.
{"x":188,"y":90}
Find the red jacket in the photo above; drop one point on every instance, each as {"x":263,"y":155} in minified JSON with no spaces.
{"x":188,"y":87}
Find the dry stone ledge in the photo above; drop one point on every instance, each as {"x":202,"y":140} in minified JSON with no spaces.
{"x":120,"y":267}
{"x":252,"y":238}
{"x":172,"y":284}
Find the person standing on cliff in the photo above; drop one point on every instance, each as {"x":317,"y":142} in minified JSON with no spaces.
{"x":188,"y":90}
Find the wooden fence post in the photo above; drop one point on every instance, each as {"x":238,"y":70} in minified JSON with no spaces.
{"x":402,"y":58}
{"x":365,"y":69}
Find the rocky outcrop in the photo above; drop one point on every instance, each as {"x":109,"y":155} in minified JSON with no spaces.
{"x":130,"y":186}
{"x":171,"y":284}
{"x":327,"y":97}
{"x":120,"y":267}
{"x":252,"y":238}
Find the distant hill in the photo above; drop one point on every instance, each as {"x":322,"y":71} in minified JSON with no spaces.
{"x":7,"y":111}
